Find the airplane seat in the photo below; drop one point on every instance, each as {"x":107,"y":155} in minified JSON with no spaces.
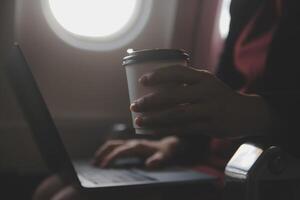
{"x":257,"y":172}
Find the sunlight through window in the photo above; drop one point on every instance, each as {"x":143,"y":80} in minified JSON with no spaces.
{"x":225,"y":18}
{"x":93,"y":18}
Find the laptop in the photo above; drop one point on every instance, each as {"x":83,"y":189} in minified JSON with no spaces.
{"x":52,"y":149}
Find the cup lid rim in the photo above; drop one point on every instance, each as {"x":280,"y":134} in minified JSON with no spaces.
{"x":145,"y":55}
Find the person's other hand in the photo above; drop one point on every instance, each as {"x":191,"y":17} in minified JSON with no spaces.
{"x":156,"y":152}
{"x":198,"y":101}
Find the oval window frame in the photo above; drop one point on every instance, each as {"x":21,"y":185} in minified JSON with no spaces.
{"x":114,"y":41}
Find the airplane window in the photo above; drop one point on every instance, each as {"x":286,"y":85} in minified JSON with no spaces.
{"x":224,"y":22}
{"x":93,"y":18}
{"x":97,"y":24}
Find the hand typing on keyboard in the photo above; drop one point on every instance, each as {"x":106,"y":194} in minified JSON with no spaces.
{"x":156,"y":153}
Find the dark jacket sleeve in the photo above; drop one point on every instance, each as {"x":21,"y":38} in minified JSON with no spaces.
{"x":280,"y":83}
{"x":282,"y":86}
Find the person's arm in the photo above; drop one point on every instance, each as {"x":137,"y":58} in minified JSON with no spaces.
{"x":285,"y":107}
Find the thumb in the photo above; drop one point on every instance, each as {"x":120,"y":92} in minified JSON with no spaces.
{"x":156,"y":160}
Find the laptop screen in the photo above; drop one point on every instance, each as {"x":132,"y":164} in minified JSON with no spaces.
{"x":36,"y":113}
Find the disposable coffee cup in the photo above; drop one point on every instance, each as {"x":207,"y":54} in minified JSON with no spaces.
{"x":139,"y":63}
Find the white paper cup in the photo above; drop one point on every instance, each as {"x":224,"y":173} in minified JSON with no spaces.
{"x":138,"y":63}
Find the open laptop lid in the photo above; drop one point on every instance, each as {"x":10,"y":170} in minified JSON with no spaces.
{"x":37,"y":114}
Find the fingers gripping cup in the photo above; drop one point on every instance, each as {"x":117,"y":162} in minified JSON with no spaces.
{"x":139,"y":63}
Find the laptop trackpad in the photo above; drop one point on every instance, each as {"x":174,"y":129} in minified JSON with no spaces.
{"x":175,"y":175}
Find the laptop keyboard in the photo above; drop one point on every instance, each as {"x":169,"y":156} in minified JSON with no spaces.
{"x":108,"y":176}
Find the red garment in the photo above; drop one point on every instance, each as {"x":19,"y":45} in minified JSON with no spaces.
{"x":251,"y":52}
{"x":250,"y":55}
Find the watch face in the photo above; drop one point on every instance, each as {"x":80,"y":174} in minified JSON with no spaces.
{"x":244,"y":158}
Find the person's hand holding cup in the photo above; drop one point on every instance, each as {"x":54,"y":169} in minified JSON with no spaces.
{"x":140,"y":63}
